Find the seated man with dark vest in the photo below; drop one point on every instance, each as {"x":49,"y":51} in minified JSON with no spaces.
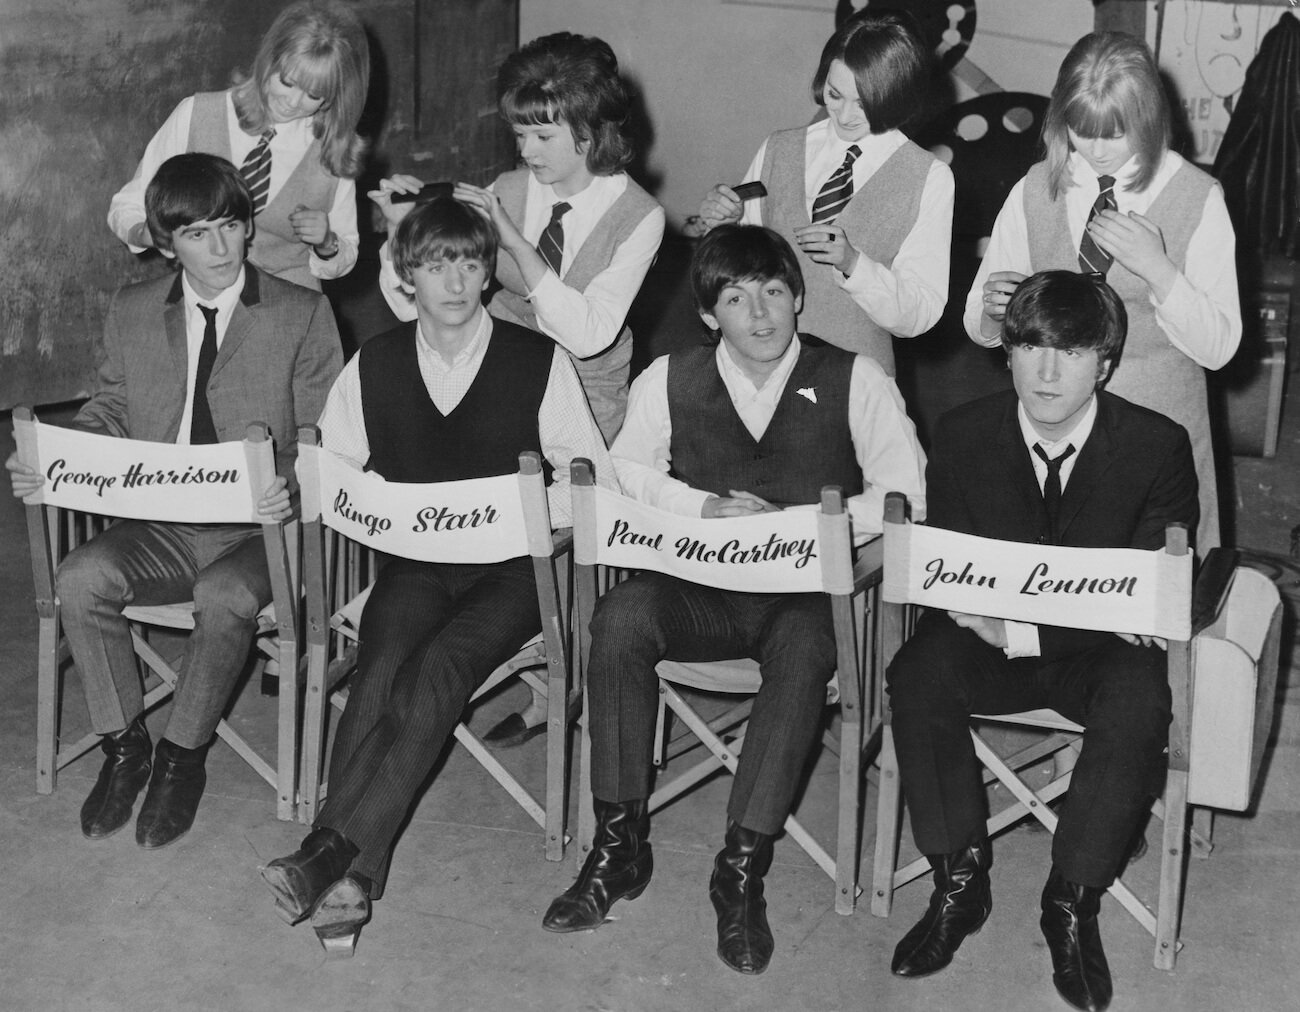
{"x":452,"y":395}
{"x":760,"y":422}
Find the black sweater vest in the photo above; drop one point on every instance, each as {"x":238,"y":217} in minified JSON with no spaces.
{"x":807,"y":444}
{"x":412,"y":441}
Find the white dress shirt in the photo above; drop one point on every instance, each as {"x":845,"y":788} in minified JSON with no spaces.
{"x":884,"y":438}
{"x":1022,"y":637}
{"x":907,"y":298}
{"x":564,"y":421}
{"x":1201,"y":316}
{"x":289,"y":144}
{"x":582,"y":323}
{"x":195,"y":324}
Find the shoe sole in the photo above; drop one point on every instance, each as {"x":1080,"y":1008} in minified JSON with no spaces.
{"x":338,"y":916}
{"x":285,"y":906}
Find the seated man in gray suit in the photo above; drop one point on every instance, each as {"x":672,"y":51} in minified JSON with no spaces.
{"x":190,"y":359}
{"x":759,"y":420}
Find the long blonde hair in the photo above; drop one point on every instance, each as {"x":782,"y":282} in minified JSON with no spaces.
{"x":321,"y":46}
{"x":1108,"y":85}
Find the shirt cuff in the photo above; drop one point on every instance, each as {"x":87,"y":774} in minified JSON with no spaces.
{"x":1022,"y":640}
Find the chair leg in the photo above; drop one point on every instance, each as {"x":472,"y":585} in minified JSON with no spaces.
{"x":586,"y":811}
{"x":315,"y":702}
{"x":557,"y":758}
{"x":286,"y":761}
{"x":889,"y":810}
{"x":47,"y":705}
{"x":1202,"y":832}
{"x":1173,"y":868}
{"x":849,"y":836}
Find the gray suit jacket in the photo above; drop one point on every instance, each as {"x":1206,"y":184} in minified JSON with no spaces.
{"x":277,"y":361}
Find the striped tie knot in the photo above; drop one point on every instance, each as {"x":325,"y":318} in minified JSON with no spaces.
{"x":837,"y":190}
{"x":1092,"y":258}
{"x":550,"y":245}
{"x":256,"y":171}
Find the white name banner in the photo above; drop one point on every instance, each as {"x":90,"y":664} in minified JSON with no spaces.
{"x":1107,"y":589}
{"x":477,"y":520}
{"x":768,"y":553}
{"x":144,"y":481}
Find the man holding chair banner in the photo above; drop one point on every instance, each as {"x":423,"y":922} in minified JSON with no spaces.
{"x":1056,"y":462}
{"x":759,"y":423}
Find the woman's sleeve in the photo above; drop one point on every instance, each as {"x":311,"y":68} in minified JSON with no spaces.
{"x":1008,"y":250}
{"x":343,"y":223}
{"x":127,"y":207}
{"x":1202,"y":314}
{"x":586,"y":323}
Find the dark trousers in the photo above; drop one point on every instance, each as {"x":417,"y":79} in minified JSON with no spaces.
{"x":430,"y":636}
{"x":220,"y":567}
{"x":653,"y":617}
{"x":1117,"y":691}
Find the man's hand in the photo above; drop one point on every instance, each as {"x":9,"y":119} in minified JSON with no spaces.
{"x":383,"y":198}
{"x":274,"y":504}
{"x":1143,"y":641}
{"x":992,"y":631}
{"x":24,"y":479}
{"x":738,"y":504}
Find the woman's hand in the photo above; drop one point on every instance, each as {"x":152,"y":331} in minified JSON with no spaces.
{"x":488,"y":204}
{"x":720,"y":206}
{"x":1137,"y":244}
{"x":311,"y":226}
{"x":826,"y":243}
{"x":383,"y":197}
{"x":998,"y":289}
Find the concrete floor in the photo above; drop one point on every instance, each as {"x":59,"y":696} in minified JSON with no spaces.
{"x":107,"y":926}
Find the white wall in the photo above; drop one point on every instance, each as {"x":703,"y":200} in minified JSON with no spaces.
{"x":719,"y":75}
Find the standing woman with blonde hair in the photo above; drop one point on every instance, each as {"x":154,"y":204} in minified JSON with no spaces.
{"x":290,"y":125}
{"x":1110,"y":198}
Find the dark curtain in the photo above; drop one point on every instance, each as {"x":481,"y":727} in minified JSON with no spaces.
{"x":1259,"y":158}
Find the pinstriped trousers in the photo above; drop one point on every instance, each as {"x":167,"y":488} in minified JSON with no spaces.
{"x":430,"y":635}
{"x":653,"y":617}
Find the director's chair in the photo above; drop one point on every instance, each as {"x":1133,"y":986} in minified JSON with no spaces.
{"x":60,"y":520}
{"x":852,"y":585}
{"x":1222,"y":660}
{"x":340,"y":562}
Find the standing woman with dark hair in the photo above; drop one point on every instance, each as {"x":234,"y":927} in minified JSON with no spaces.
{"x":870,"y":213}
{"x":577,"y":233}
{"x":290,"y":124}
{"x":1110,"y":198}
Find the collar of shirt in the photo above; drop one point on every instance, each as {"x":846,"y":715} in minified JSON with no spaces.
{"x":225,"y":302}
{"x":295,"y":136}
{"x":755,"y":405}
{"x":585,"y":209}
{"x":824,"y":153}
{"x":1083,"y":191}
{"x":1077,"y":436}
{"x":448,"y":382}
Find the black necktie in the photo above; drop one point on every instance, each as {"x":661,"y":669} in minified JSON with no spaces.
{"x":551,"y":242}
{"x":202,"y":428}
{"x":837,"y":190}
{"x":1052,"y":484}
{"x":256,"y":171}
{"x":1092,"y":258}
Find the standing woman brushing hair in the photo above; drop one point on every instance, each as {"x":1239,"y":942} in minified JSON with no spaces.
{"x":1111,"y":198}
{"x":577,"y":233}
{"x":870,"y":213}
{"x":290,"y":124}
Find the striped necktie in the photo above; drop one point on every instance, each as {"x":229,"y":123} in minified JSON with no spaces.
{"x":256,"y":171}
{"x":837,"y":190}
{"x":1092,"y":258}
{"x":550,"y":245}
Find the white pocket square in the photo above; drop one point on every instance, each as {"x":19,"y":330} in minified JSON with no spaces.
{"x":809,"y":392}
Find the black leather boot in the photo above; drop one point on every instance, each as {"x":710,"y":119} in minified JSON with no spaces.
{"x":618,"y":867}
{"x":125,"y":771}
{"x":173,"y":796}
{"x":1069,"y":924}
{"x":959,"y":906}
{"x":298,"y":880}
{"x":736,"y":889}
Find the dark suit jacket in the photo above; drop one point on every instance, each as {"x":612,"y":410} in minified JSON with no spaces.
{"x":276,"y":364}
{"x":1134,"y":475}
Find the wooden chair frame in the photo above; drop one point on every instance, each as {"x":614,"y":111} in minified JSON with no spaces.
{"x":1062,"y":735}
{"x":854,"y":613}
{"x":54,"y":531}
{"x":337,"y":570}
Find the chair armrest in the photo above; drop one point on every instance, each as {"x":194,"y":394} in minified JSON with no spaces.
{"x":869,"y":566}
{"x":561,"y":541}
